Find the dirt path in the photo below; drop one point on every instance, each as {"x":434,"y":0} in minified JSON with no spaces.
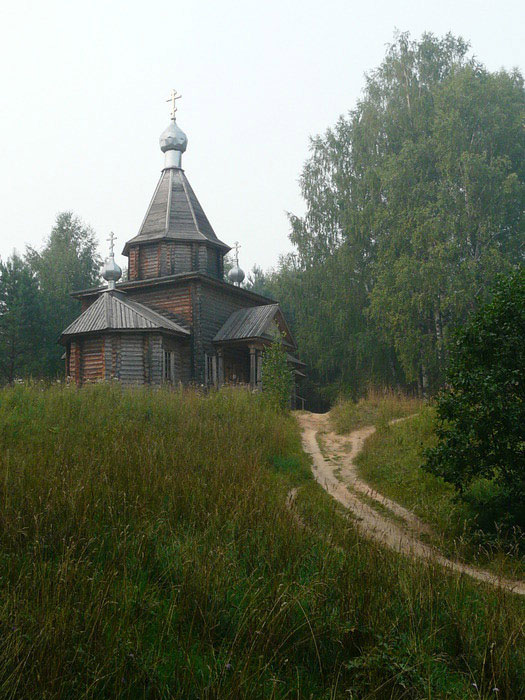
{"x":338,"y":475}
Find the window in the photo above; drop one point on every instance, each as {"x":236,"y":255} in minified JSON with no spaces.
{"x":167,"y":373}
{"x":209,"y":370}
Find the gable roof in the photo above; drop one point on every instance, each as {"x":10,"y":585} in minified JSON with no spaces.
{"x":112,"y":311}
{"x":175,"y":213}
{"x":253,"y":322}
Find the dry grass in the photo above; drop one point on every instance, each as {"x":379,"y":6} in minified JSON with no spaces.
{"x":377,"y":408}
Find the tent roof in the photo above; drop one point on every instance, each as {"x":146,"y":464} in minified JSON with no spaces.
{"x":175,"y":213}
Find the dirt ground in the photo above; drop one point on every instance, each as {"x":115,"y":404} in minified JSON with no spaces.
{"x":399,"y":528}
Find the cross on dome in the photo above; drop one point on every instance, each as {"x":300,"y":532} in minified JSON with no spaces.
{"x":112,"y":238}
{"x":236,"y":275}
{"x":172,"y":98}
{"x":110,"y":271}
{"x":237,"y":247}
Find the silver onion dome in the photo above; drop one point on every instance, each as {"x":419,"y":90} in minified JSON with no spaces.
{"x":236,"y":275}
{"x":110,"y":271}
{"x":173,"y":141}
{"x":173,"y":138}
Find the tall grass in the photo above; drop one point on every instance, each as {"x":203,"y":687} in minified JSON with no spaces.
{"x":378,"y":407}
{"x":147,"y":551}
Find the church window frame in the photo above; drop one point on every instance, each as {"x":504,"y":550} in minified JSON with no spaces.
{"x":168,"y":366}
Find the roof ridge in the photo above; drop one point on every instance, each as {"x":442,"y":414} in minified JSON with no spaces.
{"x":109,"y":315}
{"x":188,"y":198}
{"x":168,"y":207}
{"x":126,"y":302}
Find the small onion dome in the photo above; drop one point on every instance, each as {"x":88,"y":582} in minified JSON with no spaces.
{"x":111,"y":272}
{"x":173,"y":138}
{"x":236,"y":275}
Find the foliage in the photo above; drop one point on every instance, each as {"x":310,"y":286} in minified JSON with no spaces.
{"x":481,"y":413}
{"x":277,"y":377}
{"x":147,"y":550}
{"x":414,"y":202}
{"x":20,"y":320}
{"x":67,"y":262}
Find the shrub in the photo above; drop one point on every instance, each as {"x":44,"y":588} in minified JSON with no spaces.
{"x":481,"y":413}
{"x":277,"y":376}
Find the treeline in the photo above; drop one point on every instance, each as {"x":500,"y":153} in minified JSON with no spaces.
{"x":414,"y":205}
{"x":35,"y":301}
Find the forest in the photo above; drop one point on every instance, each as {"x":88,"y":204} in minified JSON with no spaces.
{"x":414,"y":208}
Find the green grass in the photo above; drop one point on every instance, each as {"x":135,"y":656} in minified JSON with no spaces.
{"x":147,"y":551}
{"x":391,"y":462}
{"x":375,"y":409}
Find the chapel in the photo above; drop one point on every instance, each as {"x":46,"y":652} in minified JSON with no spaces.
{"x":177,"y":318}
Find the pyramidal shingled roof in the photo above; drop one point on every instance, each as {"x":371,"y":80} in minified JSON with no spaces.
{"x":175,"y":213}
{"x":113,"y":311}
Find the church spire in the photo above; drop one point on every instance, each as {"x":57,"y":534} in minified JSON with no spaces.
{"x":173,"y":140}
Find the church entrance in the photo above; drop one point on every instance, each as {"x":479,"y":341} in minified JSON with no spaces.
{"x":236,"y":365}
{"x":239,"y":363}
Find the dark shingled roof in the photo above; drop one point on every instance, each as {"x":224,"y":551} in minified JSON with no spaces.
{"x":175,"y":213}
{"x":253,"y":322}
{"x":112,"y":311}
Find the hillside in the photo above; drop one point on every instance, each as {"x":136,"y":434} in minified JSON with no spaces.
{"x":148,"y":550}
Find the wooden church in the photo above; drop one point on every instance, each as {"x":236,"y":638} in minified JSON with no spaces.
{"x":176,"y":319}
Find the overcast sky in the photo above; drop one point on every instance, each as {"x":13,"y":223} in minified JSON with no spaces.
{"x":84,"y":84}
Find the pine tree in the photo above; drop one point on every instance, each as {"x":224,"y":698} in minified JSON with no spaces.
{"x":67,"y":262}
{"x":20,"y":321}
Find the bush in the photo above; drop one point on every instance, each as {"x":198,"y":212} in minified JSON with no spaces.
{"x":277,"y":376}
{"x":481,"y":428}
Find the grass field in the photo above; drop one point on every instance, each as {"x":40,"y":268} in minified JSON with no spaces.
{"x":147,"y":551}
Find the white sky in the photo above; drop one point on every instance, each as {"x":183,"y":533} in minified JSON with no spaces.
{"x":84,"y":84}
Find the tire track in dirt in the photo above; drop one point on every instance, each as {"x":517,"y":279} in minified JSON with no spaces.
{"x":404,"y":536}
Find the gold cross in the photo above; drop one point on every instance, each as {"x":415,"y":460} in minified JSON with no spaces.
{"x":111,"y":240}
{"x":174,"y":96}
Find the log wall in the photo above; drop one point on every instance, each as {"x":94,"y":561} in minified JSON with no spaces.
{"x":162,"y":258}
{"x":176,"y":301}
{"x":132,"y":368}
{"x":92,"y":359}
{"x":149,"y":261}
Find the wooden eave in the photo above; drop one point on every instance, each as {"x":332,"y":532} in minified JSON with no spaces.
{"x":64,"y":339}
{"x":252,"y":339}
